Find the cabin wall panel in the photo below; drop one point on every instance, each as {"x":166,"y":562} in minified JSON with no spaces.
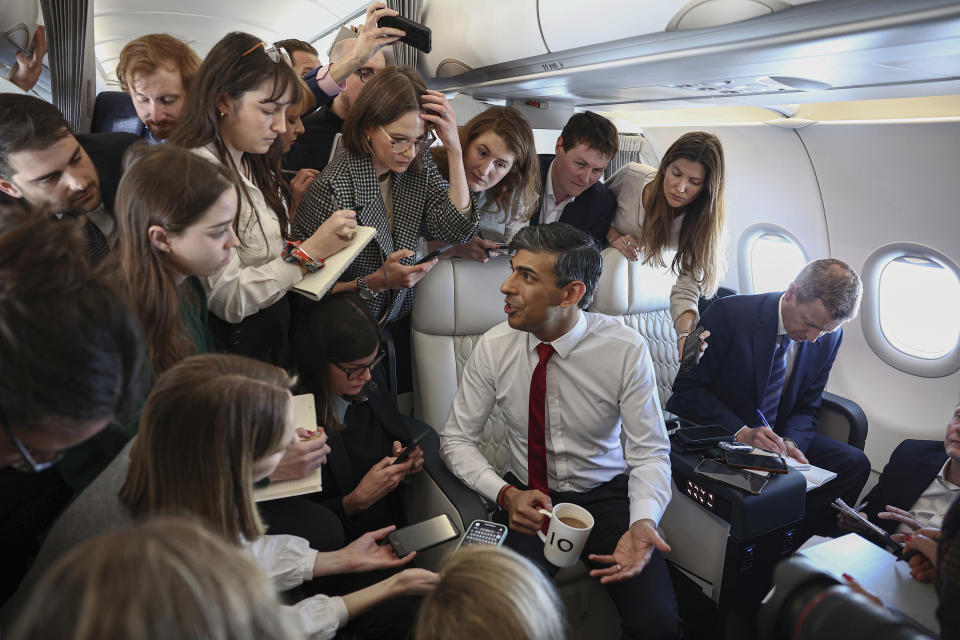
{"x":883,"y":182}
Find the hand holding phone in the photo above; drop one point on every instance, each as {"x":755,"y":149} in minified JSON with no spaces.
{"x":418,"y":36}
{"x":405,"y":454}
{"x":691,"y":351}
{"x":434,"y":254}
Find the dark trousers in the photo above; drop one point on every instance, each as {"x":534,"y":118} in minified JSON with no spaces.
{"x":852,"y":468}
{"x":645,"y":602}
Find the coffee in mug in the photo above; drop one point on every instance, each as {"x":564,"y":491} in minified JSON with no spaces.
{"x":570,"y":526}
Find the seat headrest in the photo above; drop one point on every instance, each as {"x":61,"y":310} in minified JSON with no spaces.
{"x":461,"y":297}
{"x":628,"y":287}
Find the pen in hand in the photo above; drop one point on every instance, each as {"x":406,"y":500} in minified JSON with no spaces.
{"x":782,"y":449}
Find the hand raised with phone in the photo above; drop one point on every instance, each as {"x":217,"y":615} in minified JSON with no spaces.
{"x":381,"y":479}
{"x":396,"y":275}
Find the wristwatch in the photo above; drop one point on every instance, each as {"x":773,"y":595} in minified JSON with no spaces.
{"x":365,"y":292}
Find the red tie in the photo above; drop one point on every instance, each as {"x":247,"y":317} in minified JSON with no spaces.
{"x":536,"y":434}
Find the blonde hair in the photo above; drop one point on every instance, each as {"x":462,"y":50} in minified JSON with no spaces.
{"x":491,"y":593}
{"x":207,"y":420}
{"x":167,"y":579}
{"x":699,"y":250}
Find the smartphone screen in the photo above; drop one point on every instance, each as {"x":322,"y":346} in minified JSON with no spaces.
{"x":423,"y":535}
{"x":734,"y":477}
{"x":704,"y":433}
{"x":483,"y":532}
{"x":754,"y":461}
{"x":434,"y":254}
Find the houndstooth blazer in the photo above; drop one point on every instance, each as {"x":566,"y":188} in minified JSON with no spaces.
{"x":421,"y":206}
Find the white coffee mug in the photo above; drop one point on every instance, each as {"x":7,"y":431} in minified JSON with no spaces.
{"x":563,"y":543}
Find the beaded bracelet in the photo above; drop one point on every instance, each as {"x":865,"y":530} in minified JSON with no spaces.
{"x":293,"y":254}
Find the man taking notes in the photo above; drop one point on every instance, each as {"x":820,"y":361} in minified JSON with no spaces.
{"x":773,"y":353}
{"x":568,"y":383}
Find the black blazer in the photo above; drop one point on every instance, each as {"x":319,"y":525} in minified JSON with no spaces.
{"x":591,"y":211}
{"x":106,"y":151}
{"x":913,"y":466}
{"x":339,"y":467}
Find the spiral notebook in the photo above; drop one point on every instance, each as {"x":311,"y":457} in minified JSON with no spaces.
{"x":316,"y":285}
{"x":305,"y":414}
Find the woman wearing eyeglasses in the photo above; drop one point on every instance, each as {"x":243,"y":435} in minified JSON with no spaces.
{"x":235,"y":113}
{"x":385,"y":176}
{"x":337,"y":357}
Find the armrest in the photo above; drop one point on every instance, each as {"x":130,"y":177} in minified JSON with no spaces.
{"x":437,"y":489}
{"x":836,"y":408}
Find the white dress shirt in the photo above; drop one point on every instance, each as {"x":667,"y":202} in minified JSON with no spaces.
{"x":550,"y":211}
{"x":601,"y":371}
{"x":931,"y":507}
{"x":256,"y":275}
{"x":288,"y":562}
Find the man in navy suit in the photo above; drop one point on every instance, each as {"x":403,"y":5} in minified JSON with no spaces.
{"x":773,"y":353}
{"x":571,"y":191}
{"x":922,"y":478}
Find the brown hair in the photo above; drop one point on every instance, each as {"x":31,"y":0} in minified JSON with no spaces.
{"x":70,"y":349}
{"x":488,"y":593}
{"x":205,"y":423}
{"x":292,"y":44}
{"x":226,"y":72}
{"x":146,"y":53}
{"x":171,"y":188}
{"x":517,"y":193}
{"x":699,"y":251}
{"x":27,"y":123}
{"x":593,"y":130}
{"x":390,"y":94}
{"x":166,"y":579}
{"x":834,"y":283}
{"x":339,"y":329}
{"x":307,"y":100}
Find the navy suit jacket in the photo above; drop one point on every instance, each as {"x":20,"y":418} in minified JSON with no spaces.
{"x":913,"y":466}
{"x":106,"y":152}
{"x":727,"y":385}
{"x":591,"y":211}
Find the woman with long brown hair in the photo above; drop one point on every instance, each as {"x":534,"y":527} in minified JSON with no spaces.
{"x":680,"y":207}
{"x":384,"y":175}
{"x":212,"y":426}
{"x":502,"y":169}
{"x":175,"y":224}
{"x":235,"y":113}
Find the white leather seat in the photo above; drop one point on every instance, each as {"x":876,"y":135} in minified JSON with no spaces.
{"x":458,"y":301}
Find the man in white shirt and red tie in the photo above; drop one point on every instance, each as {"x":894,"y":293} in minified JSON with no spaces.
{"x":569,"y":384}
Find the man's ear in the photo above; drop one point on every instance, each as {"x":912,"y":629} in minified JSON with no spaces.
{"x":790,"y":295}
{"x":573,"y":293}
{"x":10,"y":189}
{"x":159,"y":238}
{"x":559,"y":146}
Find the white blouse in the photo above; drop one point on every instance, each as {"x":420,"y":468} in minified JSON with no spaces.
{"x":288,"y":562}
{"x":256,"y":275}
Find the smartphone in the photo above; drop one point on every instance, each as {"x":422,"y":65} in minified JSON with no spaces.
{"x":418,"y":36}
{"x":434,"y":254}
{"x":691,"y":351}
{"x":744,"y":480}
{"x":483,"y":532}
{"x":745,"y":460}
{"x":410,"y":447}
{"x":708,"y":434}
{"x":423,"y":535}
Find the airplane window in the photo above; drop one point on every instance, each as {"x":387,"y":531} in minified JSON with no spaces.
{"x":910,"y":314}
{"x":918,"y":307}
{"x":775,"y":260}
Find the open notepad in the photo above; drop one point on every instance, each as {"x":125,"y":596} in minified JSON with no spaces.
{"x":315,"y":285}
{"x":305,"y":414}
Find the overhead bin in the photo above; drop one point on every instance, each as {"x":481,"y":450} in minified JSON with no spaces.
{"x":849,"y":49}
